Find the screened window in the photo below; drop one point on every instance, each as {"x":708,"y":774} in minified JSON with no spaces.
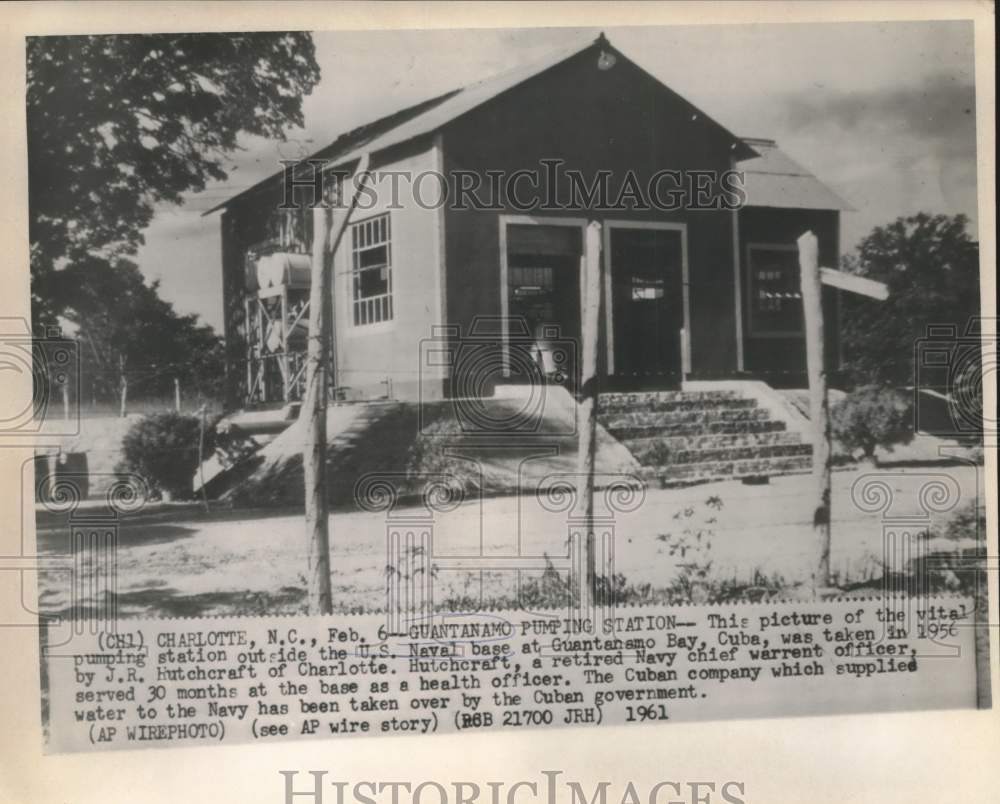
{"x":371,"y":270}
{"x":775,"y":296}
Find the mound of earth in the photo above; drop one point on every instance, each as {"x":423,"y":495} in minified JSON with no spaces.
{"x":487,"y":447}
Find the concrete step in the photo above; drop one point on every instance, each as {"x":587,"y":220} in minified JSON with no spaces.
{"x":691,"y":473}
{"x":633,"y":399}
{"x":664,"y":421}
{"x":674,"y":405}
{"x":659,"y":455}
{"x":690,"y":437}
{"x":703,"y":441}
{"x":747,"y":427}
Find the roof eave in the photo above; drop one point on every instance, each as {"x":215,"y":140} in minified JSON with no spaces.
{"x":741,"y":150}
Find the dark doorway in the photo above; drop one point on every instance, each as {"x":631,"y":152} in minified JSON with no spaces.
{"x":647,"y":294}
{"x":543,"y":282}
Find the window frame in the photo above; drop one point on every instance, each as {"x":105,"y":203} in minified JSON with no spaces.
{"x":752,"y":330}
{"x":382,"y":302}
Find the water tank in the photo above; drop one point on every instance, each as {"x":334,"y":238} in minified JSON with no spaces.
{"x":283,"y":268}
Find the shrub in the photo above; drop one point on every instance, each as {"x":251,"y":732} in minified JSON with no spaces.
{"x":163,"y":449}
{"x":870,"y":417}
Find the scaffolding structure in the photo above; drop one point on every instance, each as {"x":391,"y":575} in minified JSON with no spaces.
{"x":277,"y":320}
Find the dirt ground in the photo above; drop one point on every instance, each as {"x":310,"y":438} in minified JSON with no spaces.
{"x":189,"y":563}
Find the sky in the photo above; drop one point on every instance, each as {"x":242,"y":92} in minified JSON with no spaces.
{"x":884,"y":113}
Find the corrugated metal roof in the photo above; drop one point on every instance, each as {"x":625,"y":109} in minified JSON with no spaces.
{"x":431,"y":115}
{"x":774,"y":179}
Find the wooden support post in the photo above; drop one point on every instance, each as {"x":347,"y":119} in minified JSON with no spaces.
{"x":587,"y":440}
{"x":819,"y":405}
{"x":122,"y":388}
{"x":326,"y":239}
{"x":285,"y":366}
{"x":201,"y":454}
{"x":251,"y":338}
{"x":262,"y":363}
{"x":320,"y":596}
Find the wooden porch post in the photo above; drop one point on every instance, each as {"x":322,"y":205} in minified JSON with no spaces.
{"x":587,"y":439}
{"x":819,"y":404}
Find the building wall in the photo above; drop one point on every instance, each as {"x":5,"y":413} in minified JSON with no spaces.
{"x":593,"y":120}
{"x":384,"y":359}
{"x":782,"y":360}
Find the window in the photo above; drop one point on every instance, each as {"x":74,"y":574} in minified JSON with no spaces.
{"x":775,"y":300}
{"x":371,"y":270}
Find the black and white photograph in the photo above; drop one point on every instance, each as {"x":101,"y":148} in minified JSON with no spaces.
{"x":393,"y":382}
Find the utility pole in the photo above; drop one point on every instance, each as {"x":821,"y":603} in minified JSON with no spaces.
{"x":587,"y":441}
{"x":819,"y":404}
{"x":177,"y":394}
{"x":326,"y":239}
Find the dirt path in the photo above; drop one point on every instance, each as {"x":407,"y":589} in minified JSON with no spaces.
{"x":198,"y":566}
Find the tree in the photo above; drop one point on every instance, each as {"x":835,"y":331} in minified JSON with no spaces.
{"x":117,"y":124}
{"x":931,"y":266}
{"x":129,"y":338}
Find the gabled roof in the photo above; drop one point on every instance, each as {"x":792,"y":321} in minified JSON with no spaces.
{"x":773,"y":179}
{"x":431,"y":115}
{"x":347,"y":143}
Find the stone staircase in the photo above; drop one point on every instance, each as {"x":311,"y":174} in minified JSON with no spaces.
{"x":680,"y":438}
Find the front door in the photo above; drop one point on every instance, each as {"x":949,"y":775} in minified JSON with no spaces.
{"x":543,"y":281}
{"x":647,"y":297}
